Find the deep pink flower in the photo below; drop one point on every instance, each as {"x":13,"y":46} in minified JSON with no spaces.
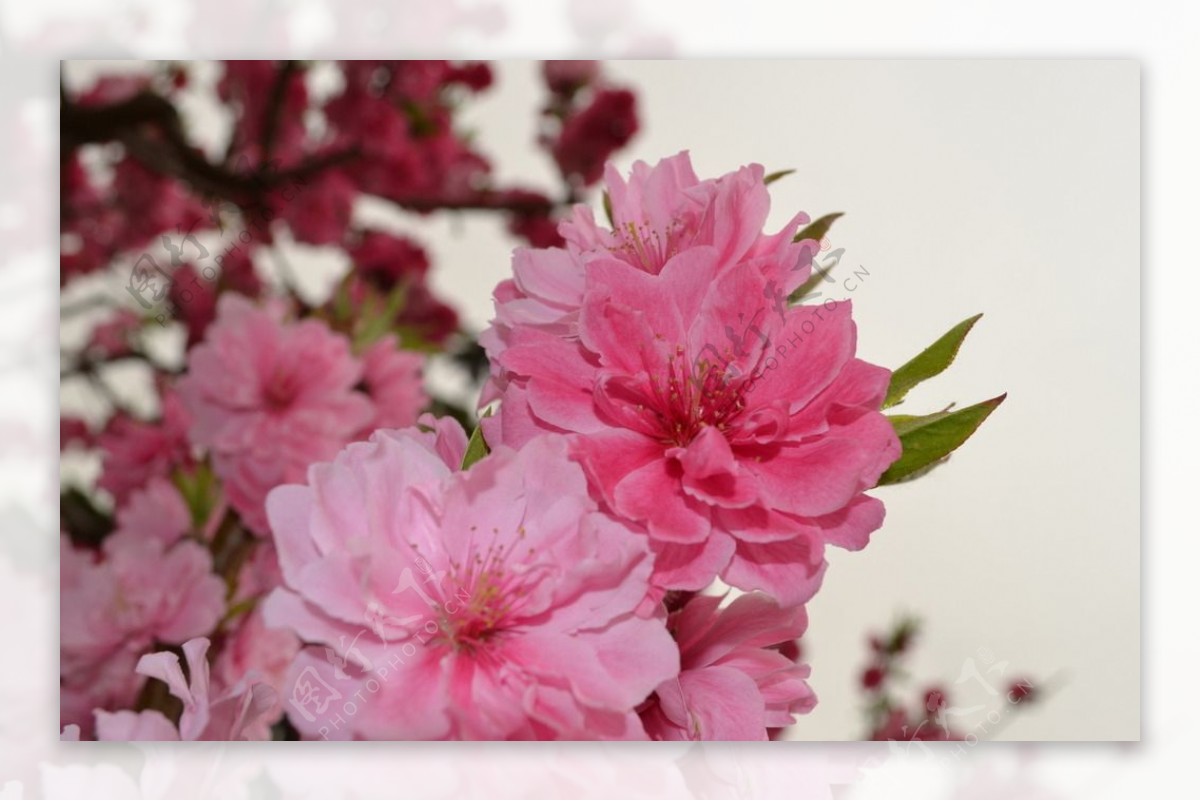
{"x":111,"y":338}
{"x":740,"y":431}
{"x":193,"y":301}
{"x":270,"y":398}
{"x":733,"y":682}
{"x":566,"y":76}
{"x":591,"y":135}
{"x":659,"y":213}
{"x":73,"y":431}
{"x":318,"y":213}
{"x":386,"y":260}
{"x":496,"y":603}
{"x":392,"y":378}
{"x":241,"y":712}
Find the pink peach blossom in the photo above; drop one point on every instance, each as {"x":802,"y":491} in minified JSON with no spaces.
{"x":155,"y":512}
{"x":734,"y":683}
{"x":253,"y":647}
{"x":135,"y":451}
{"x":740,"y":431}
{"x":496,"y":603}
{"x":269,"y":398}
{"x":658,"y":214}
{"x":241,"y":712}
{"x":393,"y":381}
{"x":116,"y":603}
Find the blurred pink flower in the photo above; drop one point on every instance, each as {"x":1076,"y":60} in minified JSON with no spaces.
{"x":241,"y":712}
{"x":393,"y":381}
{"x":73,"y":431}
{"x":270,"y":398}
{"x":386,"y":260}
{"x":253,"y":648}
{"x":319,"y":212}
{"x":117,"y":603}
{"x":566,"y":76}
{"x":111,"y":338}
{"x":592,"y":134}
{"x":156,"y":512}
{"x":136,"y":451}
{"x":734,"y":683}
{"x":492,"y":604}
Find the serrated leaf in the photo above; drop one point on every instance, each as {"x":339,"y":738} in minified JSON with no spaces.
{"x":930,"y":438}
{"x":775,"y":176}
{"x":929,"y":362}
{"x":817,"y":228}
{"x":477,"y":447}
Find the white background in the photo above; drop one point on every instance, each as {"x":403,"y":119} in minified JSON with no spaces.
{"x":1158,"y":34}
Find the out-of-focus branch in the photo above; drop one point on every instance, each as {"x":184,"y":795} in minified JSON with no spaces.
{"x":275,"y":108}
{"x":149,"y":127}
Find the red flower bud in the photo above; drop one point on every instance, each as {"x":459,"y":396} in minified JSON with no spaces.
{"x":872,"y":677}
{"x":1022,"y":691}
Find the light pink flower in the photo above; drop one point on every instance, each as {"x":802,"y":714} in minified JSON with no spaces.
{"x":393,"y":381}
{"x":270,"y":398}
{"x":739,"y":431}
{"x":241,"y":712}
{"x":496,"y":603}
{"x":117,"y":603}
{"x":734,"y":683}
{"x":252,"y":647}
{"x":155,"y":512}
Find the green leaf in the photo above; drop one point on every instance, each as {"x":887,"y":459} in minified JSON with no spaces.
{"x":477,"y":447}
{"x":929,"y":362}
{"x":608,"y":209}
{"x":199,"y":489}
{"x":928,"y":439}
{"x":775,"y":176}
{"x":817,"y":228}
{"x":822,"y":270}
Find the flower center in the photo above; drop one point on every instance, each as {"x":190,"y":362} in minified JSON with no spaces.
{"x":484,"y":597}
{"x":676,"y":406}
{"x":645,"y":246}
{"x":281,"y":390}
{"x":696,"y":395}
